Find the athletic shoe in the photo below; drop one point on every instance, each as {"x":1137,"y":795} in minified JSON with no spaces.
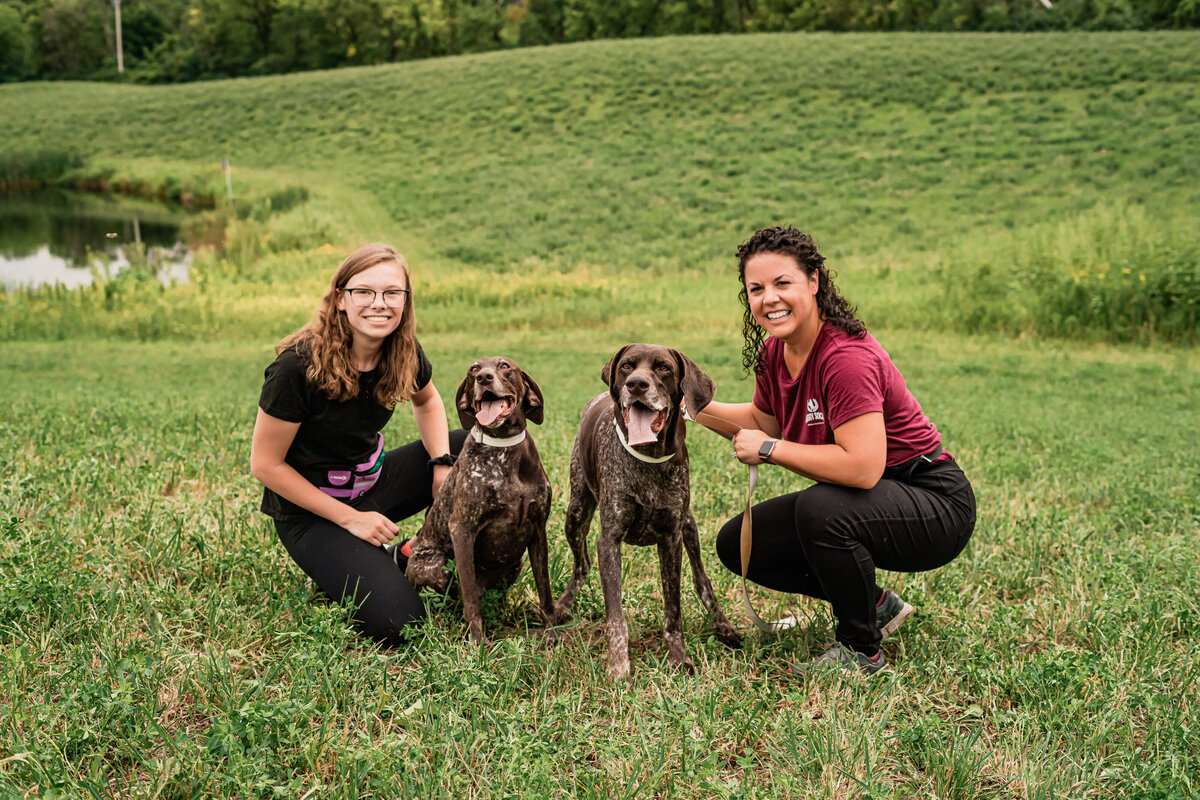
{"x":840,"y":658}
{"x":400,"y":553}
{"x":891,"y":612}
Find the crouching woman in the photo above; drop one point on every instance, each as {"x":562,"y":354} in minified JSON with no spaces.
{"x":830,"y":405}
{"x":331,"y":488}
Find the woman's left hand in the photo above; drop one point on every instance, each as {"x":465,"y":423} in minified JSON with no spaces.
{"x":746,"y":444}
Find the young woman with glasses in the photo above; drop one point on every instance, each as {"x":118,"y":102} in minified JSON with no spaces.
{"x":330,"y":486}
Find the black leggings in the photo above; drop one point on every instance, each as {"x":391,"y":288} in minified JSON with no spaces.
{"x":344,"y":566}
{"x":827,"y":540}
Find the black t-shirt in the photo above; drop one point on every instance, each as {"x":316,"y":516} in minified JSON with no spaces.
{"x":338,"y":447}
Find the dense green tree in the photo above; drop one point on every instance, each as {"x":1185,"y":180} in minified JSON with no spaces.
{"x":181,"y":40}
{"x":539,"y":22}
{"x":143,"y":29}
{"x":14,"y":44}
{"x":71,"y":38}
{"x":1186,"y":13}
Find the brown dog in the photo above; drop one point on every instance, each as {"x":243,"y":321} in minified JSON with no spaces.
{"x":630,"y":461}
{"x":493,"y":505}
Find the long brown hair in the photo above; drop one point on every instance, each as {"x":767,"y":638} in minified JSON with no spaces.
{"x":325,"y":341}
{"x":788,"y":241}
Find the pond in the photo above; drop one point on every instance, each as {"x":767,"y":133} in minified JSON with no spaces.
{"x":52,"y":236}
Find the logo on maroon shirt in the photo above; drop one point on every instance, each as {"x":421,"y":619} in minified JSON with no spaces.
{"x":814,"y":415}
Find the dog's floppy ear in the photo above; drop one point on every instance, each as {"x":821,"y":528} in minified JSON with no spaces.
{"x":532,"y":403}
{"x":610,"y":370}
{"x":466,"y":412}
{"x":697,"y":387}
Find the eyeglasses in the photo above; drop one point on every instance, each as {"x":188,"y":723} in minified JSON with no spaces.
{"x":392,"y":298}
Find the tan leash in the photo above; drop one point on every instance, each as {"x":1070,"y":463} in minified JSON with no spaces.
{"x":729,"y":430}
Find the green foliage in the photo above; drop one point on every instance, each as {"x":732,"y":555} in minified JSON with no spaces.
{"x":15,"y":44}
{"x":35,"y":167}
{"x":185,"y":40}
{"x":1116,"y":273}
{"x":70,"y":39}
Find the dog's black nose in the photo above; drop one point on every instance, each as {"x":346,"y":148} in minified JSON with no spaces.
{"x":485,"y":376}
{"x":637,"y":383}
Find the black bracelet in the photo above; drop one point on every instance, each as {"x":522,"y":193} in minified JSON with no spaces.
{"x":446,"y":460}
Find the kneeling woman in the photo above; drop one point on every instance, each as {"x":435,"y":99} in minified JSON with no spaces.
{"x":318,"y":450}
{"x":829,"y":405}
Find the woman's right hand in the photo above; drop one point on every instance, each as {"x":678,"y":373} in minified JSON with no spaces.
{"x":372,"y":527}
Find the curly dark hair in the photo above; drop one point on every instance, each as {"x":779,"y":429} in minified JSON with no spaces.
{"x":786,"y":240}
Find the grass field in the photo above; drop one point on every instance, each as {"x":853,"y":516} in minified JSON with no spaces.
{"x":556,"y":203}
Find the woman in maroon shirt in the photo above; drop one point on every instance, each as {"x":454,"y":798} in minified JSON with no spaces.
{"x":829,"y":405}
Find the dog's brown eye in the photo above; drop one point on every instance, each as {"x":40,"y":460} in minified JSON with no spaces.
{"x":662,"y":367}
{"x":627,"y":365}
{"x":474,"y":368}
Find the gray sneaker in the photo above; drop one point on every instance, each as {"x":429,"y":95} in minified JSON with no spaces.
{"x":840,"y":658}
{"x":891,"y":612}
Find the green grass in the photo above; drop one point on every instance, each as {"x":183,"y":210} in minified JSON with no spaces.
{"x":157,"y":636}
{"x":556,"y":203}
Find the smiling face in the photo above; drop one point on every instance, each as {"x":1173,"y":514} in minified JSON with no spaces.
{"x":494,"y":385}
{"x":782,"y":296}
{"x":498,"y":396}
{"x":376,"y":321}
{"x":644,"y":381}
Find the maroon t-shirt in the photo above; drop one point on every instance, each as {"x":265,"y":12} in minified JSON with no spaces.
{"x":844,"y":377}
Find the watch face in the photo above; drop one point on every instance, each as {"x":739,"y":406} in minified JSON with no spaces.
{"x":765,"y":448}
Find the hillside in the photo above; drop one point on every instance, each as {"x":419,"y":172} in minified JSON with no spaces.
{"x":666,"y":152}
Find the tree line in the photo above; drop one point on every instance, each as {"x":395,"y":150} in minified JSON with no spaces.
{"x":185,"y":40}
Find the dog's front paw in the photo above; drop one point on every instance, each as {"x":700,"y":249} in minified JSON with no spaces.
{"x":424,"y":571}
{"x":684,"y":665}
{"x":729,"y":636}
{"x":478,"y":636}
{"x":618,"y":670}
{"x":560,"y":615}
{"x":551,"y":636}
{"x":435,"y":579}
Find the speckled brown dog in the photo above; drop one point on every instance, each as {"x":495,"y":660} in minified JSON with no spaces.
{"x":630,"y":461}
{"x":493,"y":505}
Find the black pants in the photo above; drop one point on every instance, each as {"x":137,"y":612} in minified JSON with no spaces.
{"x":344,"y":566}
{"x":827,"y":540}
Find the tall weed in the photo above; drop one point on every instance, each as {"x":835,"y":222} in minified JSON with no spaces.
{"x":35,"y":167}
{"x":1114,"y":273}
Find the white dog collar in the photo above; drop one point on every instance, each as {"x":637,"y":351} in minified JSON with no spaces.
{"x":496,"y":441}
{"x":635,"y":453}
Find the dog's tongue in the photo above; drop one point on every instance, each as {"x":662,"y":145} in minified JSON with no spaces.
{"x":488,"y":411}
{"x":639,"y":420}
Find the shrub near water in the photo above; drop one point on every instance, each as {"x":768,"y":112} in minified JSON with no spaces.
{"x":1113,"y":274}
{"x":35,"y":168}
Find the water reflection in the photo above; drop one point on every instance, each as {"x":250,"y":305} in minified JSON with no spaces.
{"x":55,"y":237}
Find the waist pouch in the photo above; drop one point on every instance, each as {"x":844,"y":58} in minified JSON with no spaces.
{"x":348,"y":484}
{"x":913,"y":466}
